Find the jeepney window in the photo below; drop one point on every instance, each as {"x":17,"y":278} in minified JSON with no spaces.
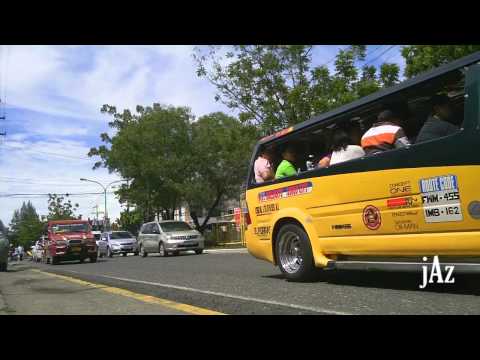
{"x":413,"y":106}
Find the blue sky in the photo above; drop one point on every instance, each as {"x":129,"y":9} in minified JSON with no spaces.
{"x":54,"y":94}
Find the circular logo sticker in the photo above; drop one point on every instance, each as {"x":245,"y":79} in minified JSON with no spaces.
{"x":371,"y":217}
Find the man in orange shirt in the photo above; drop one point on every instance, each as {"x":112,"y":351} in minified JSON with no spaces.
{"x":386,"y":134}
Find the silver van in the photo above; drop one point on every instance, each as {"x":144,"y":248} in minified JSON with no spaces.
{"x":169,"y":237}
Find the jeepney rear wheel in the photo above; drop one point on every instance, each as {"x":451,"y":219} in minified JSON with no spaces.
{"x":93,"y":259}
{"x":3,"y":267}
{"x":294,"y":253}
{"x":124,"y":254}
{"x":54,"y":260}
{"x":82,"y":260}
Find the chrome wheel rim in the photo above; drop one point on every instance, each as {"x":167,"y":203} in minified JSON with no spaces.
{"x":290,"y":252}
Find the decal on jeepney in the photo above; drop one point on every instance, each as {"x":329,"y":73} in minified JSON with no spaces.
{"x":441,"y":199}
{"x":285,"y":192}
{"x":371,"y":217}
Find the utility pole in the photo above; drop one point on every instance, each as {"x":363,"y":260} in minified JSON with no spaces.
{"x":105,"y":216}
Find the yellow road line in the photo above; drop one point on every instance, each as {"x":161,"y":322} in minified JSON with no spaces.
{"x":141,"y":297}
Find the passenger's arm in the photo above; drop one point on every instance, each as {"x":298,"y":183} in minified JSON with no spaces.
{"x":268,"y":174}
{"x":401,"y":139}
{"x":324,"y":162}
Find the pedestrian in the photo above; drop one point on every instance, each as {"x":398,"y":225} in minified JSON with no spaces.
{"x":20,"y":252}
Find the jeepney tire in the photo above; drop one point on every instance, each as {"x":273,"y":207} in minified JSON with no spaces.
{"x":199,"y":251}
{"x":135,"y":253}
{"x":82,"y":260}
{"x":306,"y":270}
{"x":176,"y":253}
{"x":124,"y":254}
{"x":3,"y":267}
{"x":93,"y":259}
{"x":109,"y":252}
{"x":54,"y":260}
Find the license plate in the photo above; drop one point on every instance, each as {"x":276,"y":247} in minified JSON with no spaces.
{"x":76,"y":249}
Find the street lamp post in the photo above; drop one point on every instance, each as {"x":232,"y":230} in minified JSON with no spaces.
{"x":105,"y":216}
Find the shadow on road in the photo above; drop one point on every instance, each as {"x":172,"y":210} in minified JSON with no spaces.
{"x":465,"y":284}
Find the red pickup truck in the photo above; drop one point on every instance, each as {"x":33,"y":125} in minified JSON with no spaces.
{"x":69,"y":240}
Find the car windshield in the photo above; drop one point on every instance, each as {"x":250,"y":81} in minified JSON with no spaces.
{"x":67,"y":228}
{"x":121,"y":235}
{"x":175,"y":226}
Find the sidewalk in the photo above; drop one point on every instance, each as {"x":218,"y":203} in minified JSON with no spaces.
{"x":26,"y":291}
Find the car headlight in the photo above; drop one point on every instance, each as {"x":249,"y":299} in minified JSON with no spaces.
{"x":61,"y":243}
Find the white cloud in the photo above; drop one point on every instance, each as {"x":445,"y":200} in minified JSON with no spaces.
{"x":29,"y":167}
{"x":77,"y":81}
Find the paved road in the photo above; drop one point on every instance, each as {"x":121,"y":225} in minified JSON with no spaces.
{"x":27,"y":291}
{"x":237,"y":283}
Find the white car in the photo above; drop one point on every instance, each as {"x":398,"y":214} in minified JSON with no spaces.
{"x":102,"y":245}
{"x":120,"y":242}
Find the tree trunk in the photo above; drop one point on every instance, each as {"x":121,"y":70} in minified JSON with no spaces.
{"x":201,"y":228}
{"x":194,"y":217}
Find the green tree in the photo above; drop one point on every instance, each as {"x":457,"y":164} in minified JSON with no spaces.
{"x":221,"y":150}
{"x":130,"y":220}
{"x":420,"y":58}
{"x":59,"y":209}
{"x":26,"y":227}
{"x":169,"y":158}
{"x":152,"y":148}
{"x":275,"y":86}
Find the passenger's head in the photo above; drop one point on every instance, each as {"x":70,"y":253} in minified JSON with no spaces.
{"x":267,"y":153}
{"x":355,"y":133}
{"x":340,"y":140}
{"x":389,"y":116}
{"x":441,"y":106}
{"x":289,"y":153}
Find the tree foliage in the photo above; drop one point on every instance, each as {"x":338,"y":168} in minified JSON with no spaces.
{"x":59,"y":209}
{"x":420,"y":58}
{"x":25,"y":226}
{"x":221,"y":147}
{"x":275,"y":86}
{"x":169,"y":158}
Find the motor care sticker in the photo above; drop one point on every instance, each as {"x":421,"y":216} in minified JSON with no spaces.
{"x":441,"y":199}
{"x":401,"y":203}
{"x":285,"y":192}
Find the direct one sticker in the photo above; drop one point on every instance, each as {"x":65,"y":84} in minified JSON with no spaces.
{"x":441,"y":199}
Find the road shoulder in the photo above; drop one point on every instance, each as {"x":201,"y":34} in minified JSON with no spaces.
{"x":27,"y":291}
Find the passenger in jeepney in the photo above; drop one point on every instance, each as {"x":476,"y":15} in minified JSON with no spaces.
{"x":263,"y":166}
{"x":287,"y":167}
